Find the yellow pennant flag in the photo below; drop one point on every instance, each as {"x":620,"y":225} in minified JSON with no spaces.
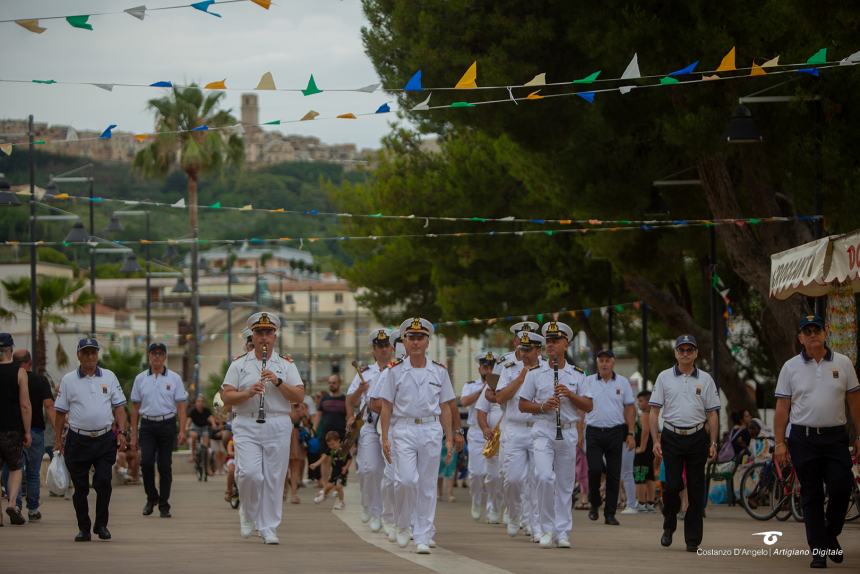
{"x":61,"y":196}
{"x":728,"y":63}
{"x":534,"y":96}
{"x":267,"y":82}
{"x":31,"y":24}
{"x":6,"y":148}
{"x":349,"y":116}
{"x":757,"y":70}
{"x":771,"y":63}
{"x":247,"y":207}
{"x":279,"y":210}
{"x":220,"y":85}
{"x":539,"y":80}
{"x":264,"y":3}
{"x":309,"y":116}
{"x":468,"y":80}
{"x":141,"y":137}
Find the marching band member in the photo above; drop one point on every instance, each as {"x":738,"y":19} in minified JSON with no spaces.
{"x":371,"y":464}
{"x":552,"y":393}
{"x":469,"y":397}
{"x":416,"y":393}
{"x":489,"y":416}
{"x":262,"y":383}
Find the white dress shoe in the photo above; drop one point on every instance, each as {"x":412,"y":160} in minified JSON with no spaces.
{"x":392,"y":534}
{"x":546,"y":540}
{"x":403,"y":538}
{"x":365,"y":516}
{"x":269,"y":537}
{"x":432,"y":543}
{"x":536,"y":537}
{"x":513,"y":529}
{"x":563,"y":542}
{"x":338,"y":505}
{"x":476,"y":511}
{"x":422,"y":549}
{"x":246,"y":527}
{"x":630,"y":510}
{"x":375,"y":524}
{"x":492,"y":517}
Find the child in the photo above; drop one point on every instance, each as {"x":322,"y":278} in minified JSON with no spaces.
{"x":340,"y":462}
{"x":230,"y":467}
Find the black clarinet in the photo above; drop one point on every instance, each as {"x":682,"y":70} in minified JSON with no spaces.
{"x":261,"y":410}
{"x":558,"y":435}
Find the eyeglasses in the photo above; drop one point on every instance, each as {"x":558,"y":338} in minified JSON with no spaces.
{"x":686,"y":350}
{"x":811,"y":330}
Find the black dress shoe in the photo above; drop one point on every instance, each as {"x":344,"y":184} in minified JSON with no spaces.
{"x":102,"y":532}
{"x":83,"y":536}
{"x":818,"y":562}
{"x":164,"y":513}
{"x":692,"y":548}
{"x":837,"y":556}
{"x":147,"y":509}
{"x":612,"y":521}
{"x":666,"y":539}
{"x":592,"y":514}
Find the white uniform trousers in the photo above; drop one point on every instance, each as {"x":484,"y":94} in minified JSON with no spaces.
{"x":416,"y":450}
{"x":555,"y":462}
{"x":477,"y":466}
{"x":627,"y":475}
{"x":388,"y":515}
{"x":517,"y":444}
{"x":371,"y":466}
{"x":262,"y":459}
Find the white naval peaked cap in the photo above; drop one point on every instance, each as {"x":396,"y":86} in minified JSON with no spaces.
{"x":264,"y":320}
{"x":486,"y":356}
{"x":246,"y":332}
{"x":416,"y":325}
{"x":381,"y":336}
{"x":556,"y":330}
{"x":530,"y":339}
{"x":524,"y":326}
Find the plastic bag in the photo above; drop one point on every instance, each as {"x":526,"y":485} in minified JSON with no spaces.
{"x":58,"y":476}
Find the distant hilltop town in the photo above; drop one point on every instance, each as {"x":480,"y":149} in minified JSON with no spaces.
{"x":261,"y":147}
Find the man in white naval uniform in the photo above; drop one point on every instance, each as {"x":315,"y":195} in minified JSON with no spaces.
{"x":549,"y":398}
{"x":262,"y":448}
{"x":489,"y":415}
{"x":416,"y":411}
{"x":371,"y":465}
{"x":469,"y":397}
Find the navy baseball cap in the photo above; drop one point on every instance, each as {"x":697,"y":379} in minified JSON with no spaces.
{"x":88,"y":342}
{"x":6,"y":340}
{"x":158,"y":347}
{"x":605,"y":353}
{"x":686,"y":340}
{"x":811,"y":320}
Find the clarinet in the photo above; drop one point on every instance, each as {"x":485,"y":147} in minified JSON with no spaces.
{"x":558,"y":435}
{"x":261,"y":410}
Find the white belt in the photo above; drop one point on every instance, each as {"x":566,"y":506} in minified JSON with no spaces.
{"x":254,"y":415}
{"x":158,"y":419}
{"x":548,"y":424}
{"x":528,"y":424}
{"x":684,"y":431}
{"x":417,"y":420}
{"x":90,"y":433}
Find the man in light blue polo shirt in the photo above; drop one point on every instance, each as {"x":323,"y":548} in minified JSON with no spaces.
{"x":90,"y":398}
{"x":157,"y":395}
{"x":609,"y":428}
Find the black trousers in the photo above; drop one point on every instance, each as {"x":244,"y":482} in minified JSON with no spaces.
{"x":682,"y":452}
{"x":821,"y":462}
{"x":81,"y":454}
{"x":604,"y":442}
{"x":156,"y":444}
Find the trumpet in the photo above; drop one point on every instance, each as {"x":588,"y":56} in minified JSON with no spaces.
{"x":491,"y":449}
{"x":558,"y":435}
{"x":352,"y":432}
{"x":261,"y":409}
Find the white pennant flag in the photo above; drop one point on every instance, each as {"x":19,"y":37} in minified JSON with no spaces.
{"x":180,"y":203}
{"x":106,"y":87}
{"x":368,"y":89}
{"x":630,"y":73}
{"x":138,"y":12}
{"x":71,"y":135}
{"x":425,"y":105}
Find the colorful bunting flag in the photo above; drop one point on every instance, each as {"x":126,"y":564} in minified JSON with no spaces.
{"x":219,"y":85}
{"x":71,"y":135}
{"x":6,"y":148}
{"x":312,"y":88}
{"x":105,"y":87}
{"x":31,"y":24}
{"x":588,"y":79}
{"x":666,"y":81}
{"x":273,"y":123}
{"x":79,"y":22}
{"x":711,"y":77}
{"x":461,"y":105}
{"x":237,"y":129}
{"x":819,"y":57}
{"x":383,"y":109}
{"x":757,"y":70}
{"x":309,"y":116}
{"x":216,"y":205}
{"x":773,"y":62}
{"x":263,"y":3}
{"x":204,"y":7}
{"x":728,"y":63}
{"x":141,"y":137}
{"x":631,"y":72}
{"x":106,"y":135}
{"x":686,"y":70}
{"x":810,"y":71}
{"x":247,"y":207}
{"x":587,"y":96}
{"x":138,"y":12}
{"x":534,"y":96}
{"x":414,"y":83}
{"x":852,"y":59}
{"x":267,"y":82}
{"x":369,"y":89}
{"x":202,"y":128}
{"x":47,"y":82}
{"x":425,"y":105}
{"x":539,"y":80}
{"x":180,"y":203}
{"x":162,"y":84}
{"x":469,"y":79}
{"x":349,"y":116}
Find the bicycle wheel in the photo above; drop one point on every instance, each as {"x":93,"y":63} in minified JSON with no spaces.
{"x":780,"y":502}
{"x":796,"y":504}
{"x":854,"y":504}
{"x":756,"y":490}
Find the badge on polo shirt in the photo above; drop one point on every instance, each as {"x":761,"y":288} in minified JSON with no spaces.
{"x":168,"y":386}
{"x":104,"y":389}
{"x":835,"y":373}
{"x":617,"y":391}
{"x":698,"y":389}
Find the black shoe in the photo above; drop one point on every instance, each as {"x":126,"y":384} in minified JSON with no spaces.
{"x":837,"y":556}
{"x":147,"y":508}
{"x":666,"y":539}
{"x":102,"y":532}
{"x":692,"y":548}
{"x":83,"y":536}
{"x":611,"y":520}
{"x":164,"y":513}
{"x":592,"y":514}
{"x":34,"y":516}
{"x":818,"y":562}
{"x":15,"y":515}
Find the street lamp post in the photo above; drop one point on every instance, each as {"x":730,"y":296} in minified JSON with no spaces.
{"x":33,"y":310}
{"x":115,"y":226}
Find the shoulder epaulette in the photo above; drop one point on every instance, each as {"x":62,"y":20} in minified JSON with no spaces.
{"x":579,"y":369}
{"x":440,"y":364}
{"x":511,"y":364}
{"x":393,"y":363}
{"x":538,"y":366}
{"x":364,"y":369}
{"x":240,"y":356}
{"x":288,"y":358}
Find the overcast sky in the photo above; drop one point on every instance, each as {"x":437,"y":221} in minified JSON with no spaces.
{"x":291,"y":40}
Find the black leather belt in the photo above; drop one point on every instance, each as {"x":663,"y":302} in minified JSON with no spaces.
{"x":817,"y":430}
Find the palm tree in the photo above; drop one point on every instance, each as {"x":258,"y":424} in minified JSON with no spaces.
{"x":125,"y":365}
{"x":54,"y":295}
{"x":194,"y":152}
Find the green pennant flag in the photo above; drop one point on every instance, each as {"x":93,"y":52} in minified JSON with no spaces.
{"x":540,"y":317}
{"x":39,"y":142}
{"x":588,"y":79}
{"x":45,"y":82}
{"x":619,"y":307}
{"x":754,"y":221}
{"x":461,"y":105}
{"x":478,"y":219}
{"x":79,"y":22}
{"x":216,"y":205}
{"x":819,"y":57}
{"x":549,"y":232}
{"x":273,"y":123}
{"x":312,"y":88}
{"x":667,"y":81}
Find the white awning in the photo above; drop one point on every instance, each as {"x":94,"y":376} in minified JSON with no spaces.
{"x":845,"y":260}
{"x":801,"y":269}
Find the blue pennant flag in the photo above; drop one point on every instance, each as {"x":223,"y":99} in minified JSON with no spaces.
{"x":106,"y":135}
{"x":202,"y":128}
{"x":683,"y":71}
{"x":414,"y":83}
{"x":383,"y":109}
{"x":161,"y":85}
{"x":204,"y":7}
{"x":587,"y":96}
{"x":810,"y":71}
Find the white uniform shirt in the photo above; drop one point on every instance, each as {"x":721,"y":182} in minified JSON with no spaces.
{"x":371,"y":376}
{"x":685,"y":399}
{"x":539,"y":386}
{"x":817,"y":390}
{"x":493,"y":410}
{"x":610,"y":397}
{"x":511,"y":407}
{"x":503,"y":361}
{"x":471,"y":388}
{"x":414,"y":392}
{"x":245,"y":371}
{"x":158,"y":393}
{"x":89,"y":400}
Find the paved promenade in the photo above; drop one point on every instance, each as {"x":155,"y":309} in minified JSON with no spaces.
{"x":203,"y":537}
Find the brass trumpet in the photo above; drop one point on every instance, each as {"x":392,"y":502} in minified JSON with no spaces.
{"x":491,"y":449}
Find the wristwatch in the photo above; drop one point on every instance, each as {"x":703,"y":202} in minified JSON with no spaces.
{"x":631,"y":434}
{"x":279,"y":383}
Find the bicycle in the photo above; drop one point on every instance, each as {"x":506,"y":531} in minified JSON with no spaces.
{"x":854,"y":503}
{"x":201,"y":461}
{"x":766,"y":492}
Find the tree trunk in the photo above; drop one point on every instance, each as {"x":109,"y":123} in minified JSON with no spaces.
{"x":193,"y":349}
{"x":41,"y":346}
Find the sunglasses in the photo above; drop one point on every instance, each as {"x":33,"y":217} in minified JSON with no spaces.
{"x":686,"y":350}
{"x":811,"y":330}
